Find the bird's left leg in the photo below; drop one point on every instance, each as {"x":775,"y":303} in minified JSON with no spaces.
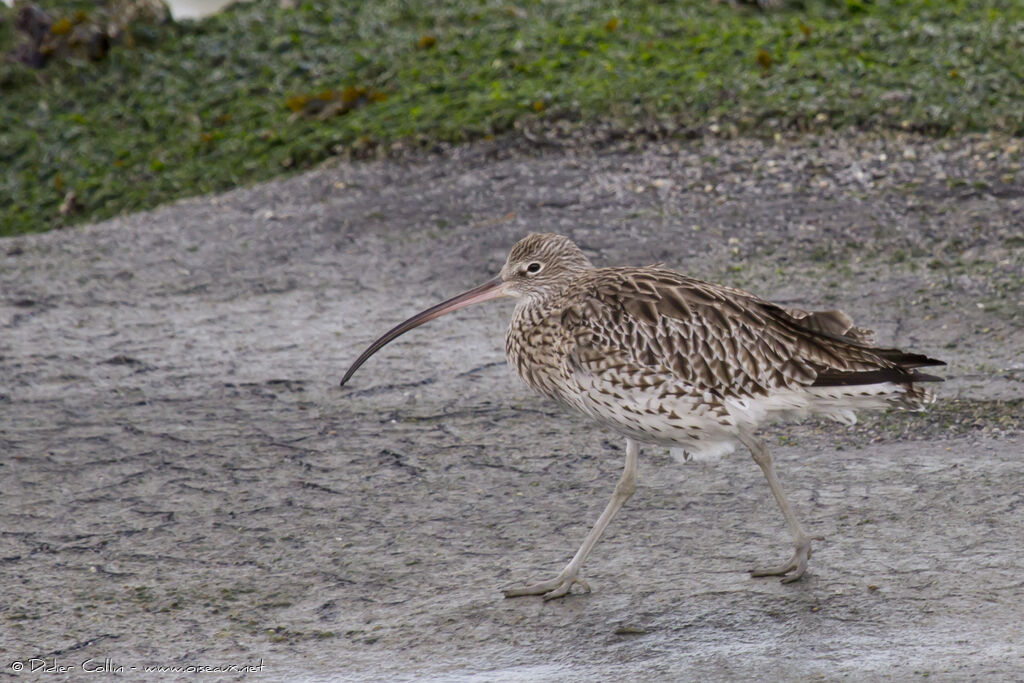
{"x":561,"y":584}
{"x":795,"y":567}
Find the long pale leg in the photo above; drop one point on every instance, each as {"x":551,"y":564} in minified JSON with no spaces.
{"x":802,"y":542}
{"x":561,"y":584}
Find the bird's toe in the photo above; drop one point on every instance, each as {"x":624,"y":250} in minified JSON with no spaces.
{"x":793,"y":569}
{"x":551,"y":589}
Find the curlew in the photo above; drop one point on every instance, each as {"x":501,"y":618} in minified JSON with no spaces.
{"x":666,"y":359}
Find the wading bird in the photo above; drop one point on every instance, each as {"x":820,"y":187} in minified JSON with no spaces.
{"x":662,"y":358}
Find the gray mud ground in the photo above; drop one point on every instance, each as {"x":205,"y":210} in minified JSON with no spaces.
{"x":184,"y":483}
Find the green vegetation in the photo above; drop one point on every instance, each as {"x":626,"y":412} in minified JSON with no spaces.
{"x":261,"y":90}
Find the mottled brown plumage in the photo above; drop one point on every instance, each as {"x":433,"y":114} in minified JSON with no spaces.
{"x":667,"y":359}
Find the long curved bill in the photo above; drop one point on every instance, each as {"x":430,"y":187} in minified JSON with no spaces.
{"x":489,"y":290}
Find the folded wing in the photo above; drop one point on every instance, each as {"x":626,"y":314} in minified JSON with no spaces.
{"x":646,"y":324}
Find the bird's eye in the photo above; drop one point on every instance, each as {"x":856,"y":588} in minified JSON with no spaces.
{"x":533,"y":268}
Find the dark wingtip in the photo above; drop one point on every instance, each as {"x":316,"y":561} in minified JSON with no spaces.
{"x":920,"y":361}
{"x":907,"y":361}
{"x":897,"y":375}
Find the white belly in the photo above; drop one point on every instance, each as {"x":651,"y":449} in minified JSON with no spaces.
{"x":705,"y":428}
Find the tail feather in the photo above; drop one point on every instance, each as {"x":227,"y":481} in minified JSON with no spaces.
{"x":895,"y":365}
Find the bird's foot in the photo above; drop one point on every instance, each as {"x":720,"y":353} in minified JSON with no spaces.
{"x":552,"y":588}
{"x":795,"y":567}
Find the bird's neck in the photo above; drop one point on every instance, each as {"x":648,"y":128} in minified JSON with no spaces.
{"x":532,"y":335}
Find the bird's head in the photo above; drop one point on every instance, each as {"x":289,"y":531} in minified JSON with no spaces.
{"x":542,"y":264}
{"x":539,"y":265}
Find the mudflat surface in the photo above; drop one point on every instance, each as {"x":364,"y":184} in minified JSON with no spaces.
{"x":185,"y":485}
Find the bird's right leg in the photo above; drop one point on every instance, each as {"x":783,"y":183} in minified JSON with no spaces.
{"x":795,"y":567}
{"x":561,"y":584}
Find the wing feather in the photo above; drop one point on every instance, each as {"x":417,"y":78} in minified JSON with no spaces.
{"x":656,"y":323}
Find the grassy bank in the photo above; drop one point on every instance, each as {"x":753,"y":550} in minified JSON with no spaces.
{"x":260,"y":90}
